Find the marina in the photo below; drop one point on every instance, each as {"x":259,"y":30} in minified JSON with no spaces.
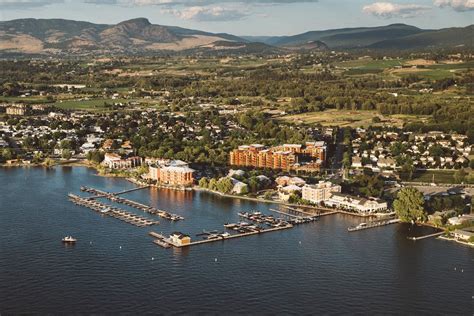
{"x":109,"y":210}
{"x":142,"y":207}
{"x":113,"y":263}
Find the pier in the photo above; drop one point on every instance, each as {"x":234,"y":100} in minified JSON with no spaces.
{"x":374,"y":224}
{"x":426,"y":236}
{"x":167,"y":243}
{"x":142,"y":207}
{"x":109,"y":210}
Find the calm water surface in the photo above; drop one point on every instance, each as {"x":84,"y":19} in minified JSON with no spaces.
{"x":314,"y":268}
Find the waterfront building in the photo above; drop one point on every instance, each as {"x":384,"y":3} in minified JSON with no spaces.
{"x":180,"y":239}
{"x":283,"y":157}
{"x":115,"y":161}
{"x":357,"y":204}
{"x":320,"y":192}
{"x":175,"y":173}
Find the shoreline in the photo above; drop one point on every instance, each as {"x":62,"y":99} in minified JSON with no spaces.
{"x":196,"y":188}
{"x":456,"y":241}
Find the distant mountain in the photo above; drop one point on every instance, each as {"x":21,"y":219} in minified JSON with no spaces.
{"x":139,"y":36}
{"x":449,"y":37}
{"x":347,"y":37}
{"x":57,"y":36}
{"x":394,"y":36}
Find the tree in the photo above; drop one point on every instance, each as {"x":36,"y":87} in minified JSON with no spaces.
{"x":66,"y":154}
{"x":212,"y":184}
{"x":203,"y":182}
{"x":409,"y":205}
{"x":225,"y":185}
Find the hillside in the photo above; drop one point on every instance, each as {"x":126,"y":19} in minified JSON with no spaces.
{"x":450,"y":37}
{"x":394,"y":36}
{"x":57,"y":36}
{"x":139,"y":36}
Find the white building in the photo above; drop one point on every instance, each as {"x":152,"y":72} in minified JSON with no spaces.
{"x":320,"y":192}
{"x":358,"y":204}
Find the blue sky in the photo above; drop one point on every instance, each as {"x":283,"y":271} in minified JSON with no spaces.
{"x":251,"y":17}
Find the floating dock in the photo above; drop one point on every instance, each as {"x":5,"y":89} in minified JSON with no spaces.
{"x":167,"y":243}
{"x":426,"y":236}
{"x":142,"y":207}
{"x":109,"y":210}
{"x":374,"y":224}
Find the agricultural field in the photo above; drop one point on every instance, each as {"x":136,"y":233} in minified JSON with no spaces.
{"x":425,"y":69}
{"x":348,"y":118}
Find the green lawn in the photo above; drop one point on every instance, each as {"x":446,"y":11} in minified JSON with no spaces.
{"x":440,"y":176}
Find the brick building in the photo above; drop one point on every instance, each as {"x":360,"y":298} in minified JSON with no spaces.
{"x":284,"y":157}
{"x":175,"y":173}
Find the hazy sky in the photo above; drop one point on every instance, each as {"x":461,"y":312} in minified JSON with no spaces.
{"x":251,"y":17}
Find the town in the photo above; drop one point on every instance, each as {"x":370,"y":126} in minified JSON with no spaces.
{"x":263,"y":148}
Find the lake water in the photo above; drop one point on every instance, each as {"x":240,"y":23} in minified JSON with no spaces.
{"x":310,"y":269}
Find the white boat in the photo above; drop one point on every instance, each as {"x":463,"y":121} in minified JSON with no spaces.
{"x":226,"y":234}
{"x":105,"y":210}
{"x":69,"y":239}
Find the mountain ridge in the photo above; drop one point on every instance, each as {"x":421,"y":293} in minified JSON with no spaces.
{"x":140,"y":36}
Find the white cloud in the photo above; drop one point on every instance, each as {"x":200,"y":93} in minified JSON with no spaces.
{"x":195,"y":3}
{"x":216,"y":13}
{"x":458,"y":5}
{"x":25,"y":4}
{"x":390,"y":10}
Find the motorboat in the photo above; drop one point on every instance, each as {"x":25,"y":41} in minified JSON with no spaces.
{"x":69,"y":239}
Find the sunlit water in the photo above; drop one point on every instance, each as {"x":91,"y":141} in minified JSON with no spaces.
{"x":115,"y":267}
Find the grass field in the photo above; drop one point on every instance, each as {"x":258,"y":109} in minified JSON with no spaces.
{"x":346,"y":118}
{"x":387,"y":68}
{"x":368,"y":64}
{"x":33,"y":99}
{"x":97,"y":104}
{"x":440,"y":176}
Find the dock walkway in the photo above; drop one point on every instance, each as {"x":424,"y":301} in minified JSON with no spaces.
{"x":167,"y":243}
{"x":373,"y":225}
{"x":426,"y":236}
{"x":142,"y":207}
{"x":109,"y":210}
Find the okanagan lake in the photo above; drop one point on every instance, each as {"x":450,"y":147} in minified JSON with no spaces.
{"x":315,"y":268}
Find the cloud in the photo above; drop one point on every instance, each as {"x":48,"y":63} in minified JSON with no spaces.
{"x":391,"y":10}
{"x":101,"y":1}
{"x":212,"y":14}
{"x":458,"y":5}
{"x":25,"y":4}
{"x":194,"y":3}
